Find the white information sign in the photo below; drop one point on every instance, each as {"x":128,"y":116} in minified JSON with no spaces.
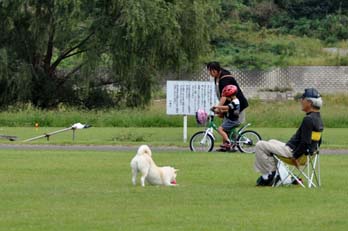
{"x":186,"y":97}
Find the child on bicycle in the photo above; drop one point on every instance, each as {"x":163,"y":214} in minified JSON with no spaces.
{"x":230,"y":110}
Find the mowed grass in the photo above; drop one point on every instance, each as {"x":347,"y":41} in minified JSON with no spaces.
{"x":87,"y":190}
{"x":332,"y":137}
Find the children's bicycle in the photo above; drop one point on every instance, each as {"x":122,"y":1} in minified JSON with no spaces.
{"x":244,"y":140}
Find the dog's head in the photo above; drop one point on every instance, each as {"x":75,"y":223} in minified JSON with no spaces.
{"x":144,"y":150}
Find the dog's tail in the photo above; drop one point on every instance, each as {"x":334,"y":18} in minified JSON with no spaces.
{"x":144,"y":150}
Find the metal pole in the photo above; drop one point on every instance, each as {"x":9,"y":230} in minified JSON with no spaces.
{"x":185,"y":128}
{"x":47,"y":135}
{"x":73,"y":133}
{"x":11,"y":138}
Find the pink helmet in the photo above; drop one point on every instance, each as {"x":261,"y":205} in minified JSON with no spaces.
{"x":201,"y":116}
{"x":229,"y":90}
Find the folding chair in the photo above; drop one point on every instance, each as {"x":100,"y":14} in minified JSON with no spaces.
{"x":308,"y":172}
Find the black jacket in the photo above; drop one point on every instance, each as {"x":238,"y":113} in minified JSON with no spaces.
{"x":301,"y":142}
{"x":233,"y":109}
{"x":231,"y":81}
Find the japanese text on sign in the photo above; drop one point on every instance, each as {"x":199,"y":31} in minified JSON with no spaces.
{"x":186,"y":97}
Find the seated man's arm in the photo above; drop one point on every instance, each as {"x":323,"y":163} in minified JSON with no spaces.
{"x":305,"y":137}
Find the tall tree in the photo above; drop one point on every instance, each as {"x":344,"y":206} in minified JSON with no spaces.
{"x":58,"y":49}
{"x":38,"y":37}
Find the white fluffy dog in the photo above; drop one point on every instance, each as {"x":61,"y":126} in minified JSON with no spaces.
{"x":143,"y":163}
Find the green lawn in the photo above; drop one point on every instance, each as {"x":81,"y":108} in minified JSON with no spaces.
{"x":85,"y":190}
{"x":333,"y":137}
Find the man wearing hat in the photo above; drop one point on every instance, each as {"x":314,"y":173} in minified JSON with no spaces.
{"x":300,"y":142}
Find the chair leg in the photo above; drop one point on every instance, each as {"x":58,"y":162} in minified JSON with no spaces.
{"x":311,"y":174}
{"x":315,"y":166}
{"x":319,"y":180}
{"x":290,"y":173}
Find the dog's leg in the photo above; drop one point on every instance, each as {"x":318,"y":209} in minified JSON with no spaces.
{"x":142,"y":180}
{"x":134,"y":176}
{"x":143,"y":177}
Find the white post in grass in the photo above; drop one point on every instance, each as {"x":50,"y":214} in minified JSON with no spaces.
{"x":185,"y":128}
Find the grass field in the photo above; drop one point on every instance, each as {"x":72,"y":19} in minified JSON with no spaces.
{"x":75,"y":190}
{"x":332,"y":137}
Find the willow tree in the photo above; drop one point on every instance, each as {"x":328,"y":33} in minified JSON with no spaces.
{"x":37,"y":37}
{"x":55,"y":51}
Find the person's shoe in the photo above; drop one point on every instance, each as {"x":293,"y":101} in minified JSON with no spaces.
{"x":221,"y":150}
{"x":226,"y":146}
{"x":233,"y":148}
{"x":277,"y":180}
{"x":294,"y":181}
{"x":262,"y":182}
{"x":269,"y":182}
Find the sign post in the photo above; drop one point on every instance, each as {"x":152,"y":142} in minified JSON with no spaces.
{"x":185,"y":128}
{"x":186,"y":97}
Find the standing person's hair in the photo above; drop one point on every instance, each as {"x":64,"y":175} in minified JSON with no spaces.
{"x":213,"y":66}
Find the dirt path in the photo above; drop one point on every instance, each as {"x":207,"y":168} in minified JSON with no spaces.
{"x":119,"y":148}
{"x":85,"y":147}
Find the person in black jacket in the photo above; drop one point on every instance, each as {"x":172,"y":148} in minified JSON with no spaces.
{"x":299,"y":144}
{"x":223,"y":78}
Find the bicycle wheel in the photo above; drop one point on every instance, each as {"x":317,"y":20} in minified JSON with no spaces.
{"x":201,"y":143}
{"x":247,"y":140}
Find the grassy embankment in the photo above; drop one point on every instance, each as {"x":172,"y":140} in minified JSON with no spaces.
{"x":152,"y":126}
{"x":285,"y":114}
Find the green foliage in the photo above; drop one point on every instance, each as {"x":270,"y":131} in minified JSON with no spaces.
{"x":330,"y":29}
{"x":312,"y":8}
{"x":260,"y":34}
{"x":97,"y":53}
{"x":113,"y":54}
{"x":248,"y":48}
